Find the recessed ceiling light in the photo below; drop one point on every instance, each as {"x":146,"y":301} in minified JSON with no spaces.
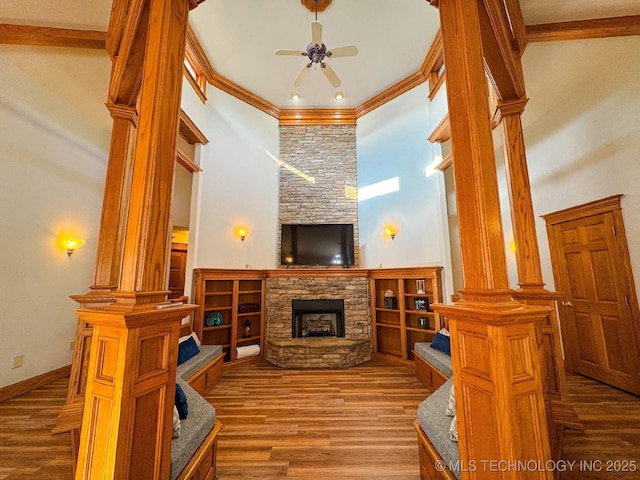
{"x":339,"y":96}
{"x":295,"y":97}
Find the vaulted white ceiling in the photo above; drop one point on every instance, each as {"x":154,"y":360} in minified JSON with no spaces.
{"x":240,"y":37}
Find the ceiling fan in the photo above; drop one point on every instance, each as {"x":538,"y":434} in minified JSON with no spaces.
{"x":317,"y":52}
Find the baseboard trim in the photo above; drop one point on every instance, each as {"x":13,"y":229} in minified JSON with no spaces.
{"x":25,"y":386}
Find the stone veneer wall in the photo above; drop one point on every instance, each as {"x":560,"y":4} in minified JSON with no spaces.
{"x":327,"y":153}
{"x":355,"y":348}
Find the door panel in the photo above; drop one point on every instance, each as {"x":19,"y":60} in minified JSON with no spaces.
{"x":600,"y":322}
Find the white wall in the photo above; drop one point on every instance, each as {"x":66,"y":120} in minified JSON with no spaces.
{"x":238,"y":185}
{"x":392,"y":141}
{"x":53,"y":150}
{"x":582,"y":131}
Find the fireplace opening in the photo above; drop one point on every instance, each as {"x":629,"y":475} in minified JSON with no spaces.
{"x":317,"y":318}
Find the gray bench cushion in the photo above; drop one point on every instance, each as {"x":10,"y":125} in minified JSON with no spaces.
{"x":440,"y":360}
{"x":435,"y":424}
{"x":193,"y":429}
{"x":207,"y":353}
{"x":201,"y":417}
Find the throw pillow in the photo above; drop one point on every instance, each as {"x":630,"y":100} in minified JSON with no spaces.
{"x":191,"y":335}
{"x":181,"y":403}
{"x":451,"y":404}
{"x":441,"y":342}
{"x":453,"y":430}
{"x":187,"y":349}
{"x":176,"y":423}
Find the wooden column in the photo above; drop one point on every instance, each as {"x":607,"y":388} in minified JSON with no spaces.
{"x":109,"y":251}
{"x":147,"y":238}
{"x":522,"y":217}
{"x":107,"y":268}
{"x":560,"y":412}
{"x":116,"y":193}
{"x":497,"y":372}
{"x":126,"y":426}
{"x":477,"y":197}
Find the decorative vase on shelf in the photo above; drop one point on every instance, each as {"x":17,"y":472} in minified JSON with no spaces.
{"x":390,"y":300}
{"x":423,"y":322}
{"x":247,"y":328}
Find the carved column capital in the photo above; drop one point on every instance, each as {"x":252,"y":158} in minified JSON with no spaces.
{"x":125,"y":112}
{"x":512,"y":107}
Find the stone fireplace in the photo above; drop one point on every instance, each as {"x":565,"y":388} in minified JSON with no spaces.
{"x":317,"y":318}
{"x":350,"y":288}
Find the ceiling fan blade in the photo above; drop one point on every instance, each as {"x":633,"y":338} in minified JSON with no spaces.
{"x":316,"y":33}
{"x":331,"y":75}
{"x":303,"y":73}
{"x":349,"y":51}
{"x":297,"y":53}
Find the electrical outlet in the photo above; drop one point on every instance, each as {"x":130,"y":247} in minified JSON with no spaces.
{"x":18,"y":360}
{"x":72,"y":344}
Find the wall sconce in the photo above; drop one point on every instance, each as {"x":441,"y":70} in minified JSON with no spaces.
{"x":71,"y":244}
{"x":390,"y":231}
{"x":242,"y":233}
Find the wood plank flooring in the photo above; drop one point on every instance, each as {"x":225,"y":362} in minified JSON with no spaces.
{"x":330,"y":424}
{"x":27,"y":448}
{"x":307,"y":424}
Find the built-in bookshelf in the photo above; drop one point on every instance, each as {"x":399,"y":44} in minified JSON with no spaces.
{"x":230,"y":309}
{"x":406,"y":317}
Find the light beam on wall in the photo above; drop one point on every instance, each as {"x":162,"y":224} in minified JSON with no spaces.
{"x":351,"y":192}
{"x":378,"y":189}
{"x":291,"y":168}
{"x":431,"y":168}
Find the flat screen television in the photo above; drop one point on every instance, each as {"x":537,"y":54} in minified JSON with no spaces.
{"x":326,"y":244}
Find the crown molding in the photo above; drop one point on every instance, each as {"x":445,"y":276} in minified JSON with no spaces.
{"x":51,"y":37}
{"x":317,"y":116}
{"x":583,"y":29}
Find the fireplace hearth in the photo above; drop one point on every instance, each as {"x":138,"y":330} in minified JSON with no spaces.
{"x":317,"y":318}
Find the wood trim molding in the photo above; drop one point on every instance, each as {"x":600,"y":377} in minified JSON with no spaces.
{"x":317,"y":116}
{"x":317,"y":272}
{"x":442,"y":132}
{"x":243,"y":94}
{"x":194,"y":84}
{"x":502,"y":64}
{"x":390,"y":93}
{"x":518,"y":28}
{"x":186,"y":162}
{"x":428,"y":65}
{"x":582,"y":29}
{"x":607,"y":204}
{"x":446,"y":162}
{"x":190,"y":131}
{"x":51,"y":37}
{"x":313,"y":116}
{"x":25,"y":386}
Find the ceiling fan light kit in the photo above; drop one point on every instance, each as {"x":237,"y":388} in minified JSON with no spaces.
{"x":317,"y":52}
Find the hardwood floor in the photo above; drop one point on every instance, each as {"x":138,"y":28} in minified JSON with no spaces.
{"x":27,"y":448}
{"x":611,"y":419}
{"x":329,"y":424}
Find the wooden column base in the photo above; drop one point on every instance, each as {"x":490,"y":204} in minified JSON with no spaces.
{"x":499,"y":396}
{"x":127,"y":420}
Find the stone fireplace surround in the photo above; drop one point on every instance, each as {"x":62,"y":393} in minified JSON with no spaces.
{"x":351,"y":285}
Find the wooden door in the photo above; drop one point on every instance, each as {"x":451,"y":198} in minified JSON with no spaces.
{"x":177,"y":270}
{"x":600,"y":314}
